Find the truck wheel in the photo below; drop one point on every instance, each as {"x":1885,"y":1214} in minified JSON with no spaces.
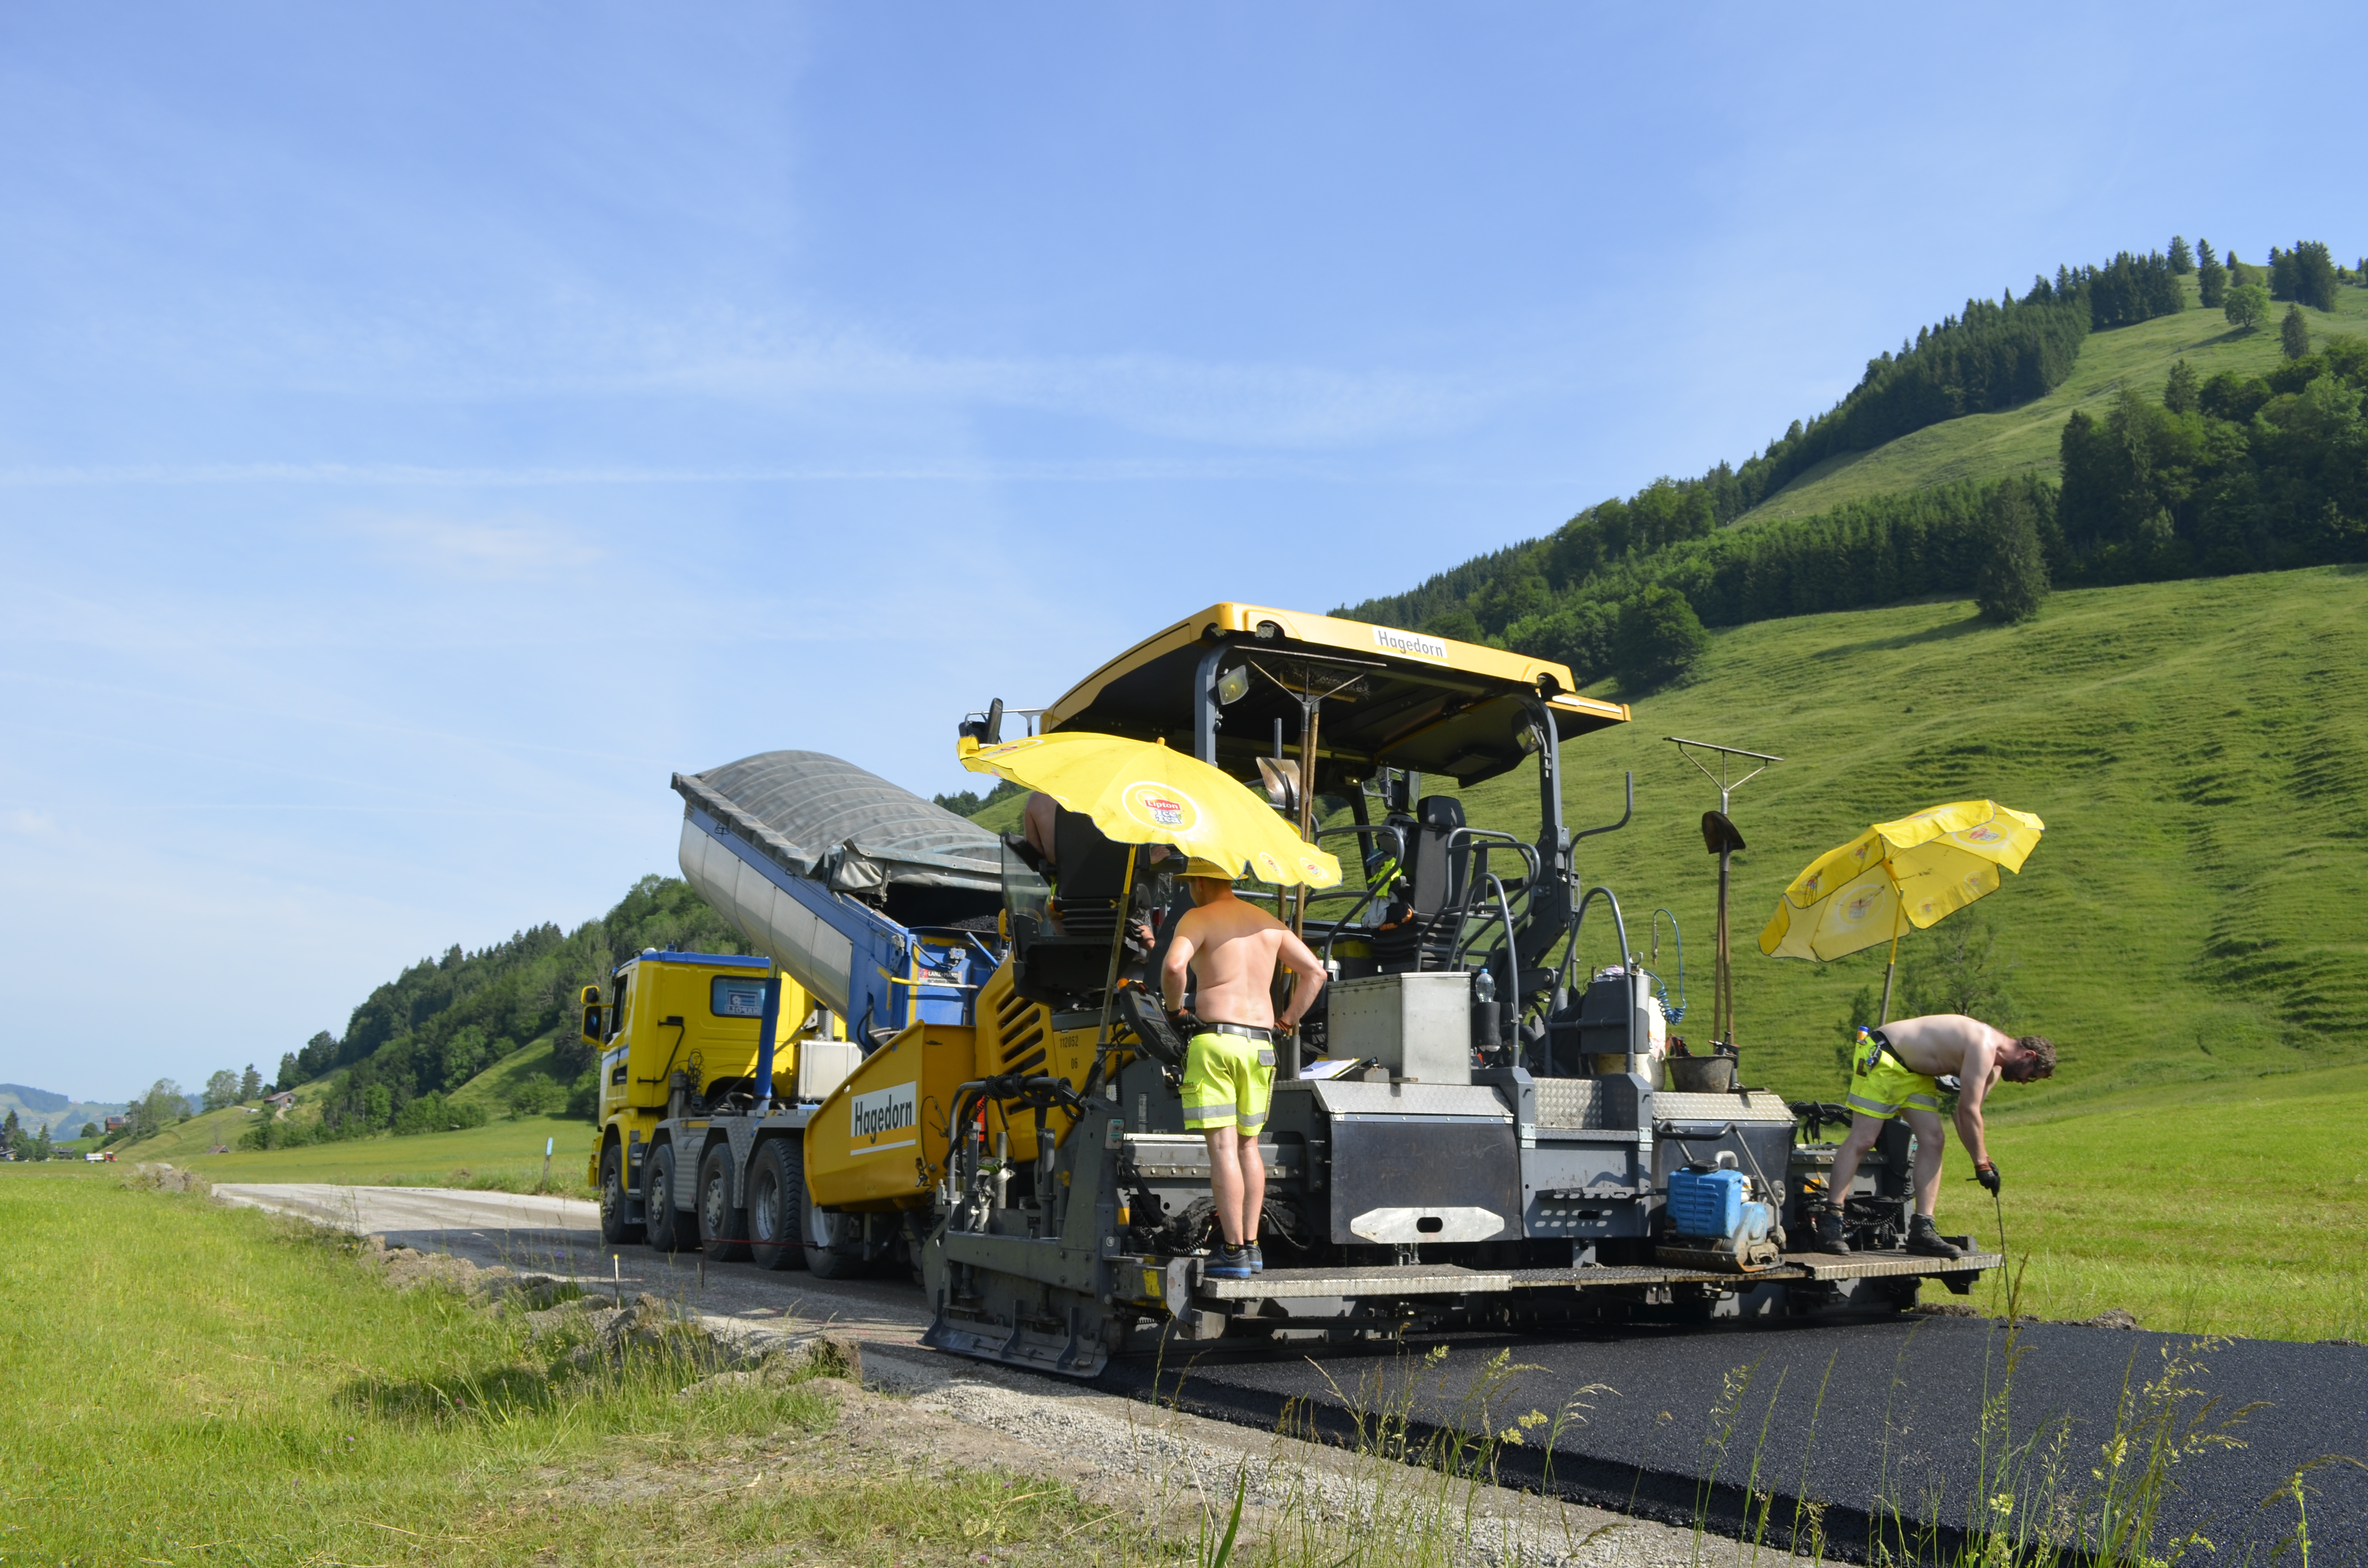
{"x":662,"y":1222}
{"x":777,"y":1205}
{"x":615,"y":1229}
{"x":828,"y":1254}
{"x":722,"y":1230}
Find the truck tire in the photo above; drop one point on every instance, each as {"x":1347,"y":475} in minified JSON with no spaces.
{"x":777,"y":1204}
{"x":828,"y":1254}
{"x":662,"y":1222}
{"x":615,"y":1229}
{"x":722,"y":1230}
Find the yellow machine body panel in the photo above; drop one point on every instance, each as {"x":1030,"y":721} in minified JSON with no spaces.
{"x":879,"y":1140}
{"x":693,"y":1013}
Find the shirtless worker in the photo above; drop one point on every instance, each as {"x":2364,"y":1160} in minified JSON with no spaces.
{"x":1893,"y":1075}
{"x":1231,"y":948}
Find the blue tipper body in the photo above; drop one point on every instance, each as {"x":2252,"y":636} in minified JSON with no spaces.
{"x":1705,"y":1203}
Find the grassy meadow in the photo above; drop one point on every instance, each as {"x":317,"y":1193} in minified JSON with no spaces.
{"x":212,"y":1385}
{"x":503,"y":1154}
{"x":2197,"y":913}
{"x":506,"y":1155}
{"x":1985,"y":446}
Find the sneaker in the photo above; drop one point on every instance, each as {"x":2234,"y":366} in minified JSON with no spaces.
{"x":1827,"y":1235}
{"x":1926,"y":1241}
{"x":1258,"y":1262}
{"x":1227,"y":1263}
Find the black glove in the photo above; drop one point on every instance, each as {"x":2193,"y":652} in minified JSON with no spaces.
{"x":1988,"y":1175}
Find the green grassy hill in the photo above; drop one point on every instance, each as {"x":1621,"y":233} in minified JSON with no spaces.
{"x":1987,"y":446}
{"x":2198,"y":908}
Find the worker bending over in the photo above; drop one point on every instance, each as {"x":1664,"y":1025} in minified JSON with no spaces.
{"x":1231,"y":950}
{"x":1893,"y":1075}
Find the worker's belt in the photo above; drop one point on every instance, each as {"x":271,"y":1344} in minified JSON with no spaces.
{"x":1242,"y":1029}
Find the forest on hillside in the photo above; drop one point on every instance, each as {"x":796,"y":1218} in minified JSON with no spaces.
{"x":2260,"y":473}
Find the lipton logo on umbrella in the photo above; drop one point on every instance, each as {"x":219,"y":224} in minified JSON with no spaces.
{"x":1312,"y":868}
{"x":1809,"y":885}
{"x":1980,"y":832}
{"x":1860,"y":907}
{"x":1974,"y":886}
{"x":1271,"y":866}
{"x":1161,"y":806}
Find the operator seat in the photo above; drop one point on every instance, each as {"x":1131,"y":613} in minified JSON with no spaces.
{"x":1064,"y":960}
{"x":1440,"y":875}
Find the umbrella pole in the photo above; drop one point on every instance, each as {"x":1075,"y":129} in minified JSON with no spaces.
{"x":1723,"y":988}
{"x":1884,"y":1016}
{"x":1308,"y":721}
{"x":1110,"y":984}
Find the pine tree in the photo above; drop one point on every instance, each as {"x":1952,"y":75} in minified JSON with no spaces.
{"x":2182,"y":262}
{"x":2308,"y":272}
{"x":2180,"y":393}
{"x":2294,"y":334}
{"x":2013,"y":575}
{"x":250,"y":1085}
{"x":2211,"y":277}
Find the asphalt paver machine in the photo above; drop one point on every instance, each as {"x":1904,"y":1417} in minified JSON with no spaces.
{"x":1471,"y":1131}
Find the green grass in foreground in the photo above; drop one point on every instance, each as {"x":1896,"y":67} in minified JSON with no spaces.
{"x":1985,"y":446}
{"x":501,"y":1155}
{"x":211,"y":1385}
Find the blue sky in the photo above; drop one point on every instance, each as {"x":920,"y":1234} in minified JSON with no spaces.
{"x":429,"y":426}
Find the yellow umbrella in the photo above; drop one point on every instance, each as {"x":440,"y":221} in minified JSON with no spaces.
{"x":1916,"y":872}
{"x":1144,"y":793}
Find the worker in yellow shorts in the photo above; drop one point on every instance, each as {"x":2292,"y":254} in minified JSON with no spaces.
{"x":1894,"y":1073}
{"x":1230,"y":950}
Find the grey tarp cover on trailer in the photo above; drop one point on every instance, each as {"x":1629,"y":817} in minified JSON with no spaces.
{"x":821,"y":817}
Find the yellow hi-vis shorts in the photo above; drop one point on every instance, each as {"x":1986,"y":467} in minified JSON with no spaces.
{"x":1228,"y":1081}
{"x":1881,"y":1086}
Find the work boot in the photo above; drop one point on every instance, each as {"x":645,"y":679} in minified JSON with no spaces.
{"x":1228,"y":1263}
{"x":1828,"y":1234}
{"x":1925,"y":1240}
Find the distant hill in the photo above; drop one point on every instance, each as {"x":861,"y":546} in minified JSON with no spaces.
{"x":2025,"y":438}
{"x":1899,"y":491}
{"x":36,"y":1099}
{"x":61,"y":1114}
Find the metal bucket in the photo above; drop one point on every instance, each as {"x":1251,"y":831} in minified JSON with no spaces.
{"x":1700,"y":1074}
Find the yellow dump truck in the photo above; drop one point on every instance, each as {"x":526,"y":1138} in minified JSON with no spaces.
{"x":882,"y":911}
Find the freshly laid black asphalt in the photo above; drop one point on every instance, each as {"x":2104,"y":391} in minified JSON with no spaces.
{"x":1878,"y":1425}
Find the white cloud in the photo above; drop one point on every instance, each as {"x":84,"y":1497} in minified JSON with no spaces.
{"x":515,"y":548}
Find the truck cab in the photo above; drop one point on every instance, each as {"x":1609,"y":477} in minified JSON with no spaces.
{"x":678,"y":1037}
